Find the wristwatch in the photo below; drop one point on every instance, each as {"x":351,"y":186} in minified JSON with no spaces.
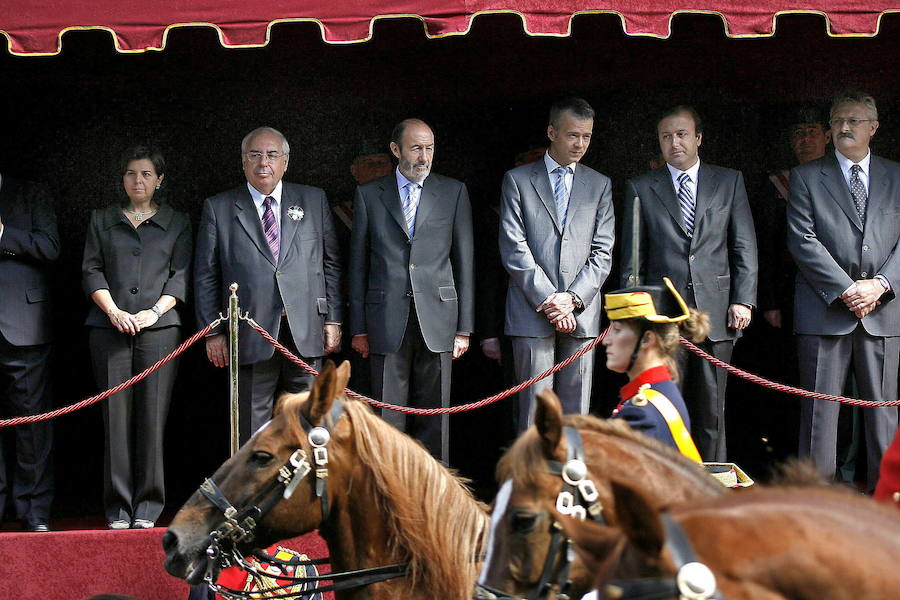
{"x":156,"y":311}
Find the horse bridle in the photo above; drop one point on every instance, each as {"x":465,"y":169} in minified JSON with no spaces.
{"x":240,"y":523}
{"x":578,"y":499}
{"x":693,"y":580}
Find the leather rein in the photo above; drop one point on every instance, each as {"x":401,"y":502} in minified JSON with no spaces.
{"x":240,"y":524}
{"x":578,"y":499}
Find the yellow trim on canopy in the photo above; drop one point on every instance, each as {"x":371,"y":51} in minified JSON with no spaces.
{"x":469,"y":19}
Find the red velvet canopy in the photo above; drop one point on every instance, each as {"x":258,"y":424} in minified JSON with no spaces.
{"x":35,"y":27}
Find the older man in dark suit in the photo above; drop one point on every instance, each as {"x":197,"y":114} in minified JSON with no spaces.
{"x":411,"y":283}
{"x":29,"y":242}
{"x":696,"y":228}
{"x":844,"y":234}
{"x":276,"y":240}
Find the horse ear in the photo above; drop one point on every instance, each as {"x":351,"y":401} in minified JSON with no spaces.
{"x":638,"y":519}
{"x":326,"y":386}
{"x":548,"y":420}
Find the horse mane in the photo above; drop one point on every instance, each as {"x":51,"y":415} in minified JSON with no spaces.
{"x":796,"y":472}
{"x":433,"y":519}
{"x":525,"y":460}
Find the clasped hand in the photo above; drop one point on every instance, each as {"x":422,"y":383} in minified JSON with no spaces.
{"x":863,"y":296}
{"x":559,"y":308}
{"x":125,"y":322}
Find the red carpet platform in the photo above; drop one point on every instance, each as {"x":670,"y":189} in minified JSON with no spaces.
{"x":71,"y":565}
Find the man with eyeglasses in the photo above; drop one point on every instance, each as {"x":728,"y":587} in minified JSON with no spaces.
{"x":277,"y":242}
{"x":696,"y":228}
{"x":844,"y":234}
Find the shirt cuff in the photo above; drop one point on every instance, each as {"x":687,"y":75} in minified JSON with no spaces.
{"x":332,"y":322}
{"x":884,"y":281}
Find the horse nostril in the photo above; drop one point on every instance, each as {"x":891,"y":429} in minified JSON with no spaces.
{"x":169,"y":540}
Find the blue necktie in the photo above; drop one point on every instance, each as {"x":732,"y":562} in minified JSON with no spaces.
{"x":561,"y":194}
{"x":686,"y":200}
{"x":410,"y":203}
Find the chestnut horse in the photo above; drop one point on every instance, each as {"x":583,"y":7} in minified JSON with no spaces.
{"x":776,"y":543}
{"x":385,"y":499}
{"x":525,"y":559}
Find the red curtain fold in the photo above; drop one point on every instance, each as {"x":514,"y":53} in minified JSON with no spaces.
{"x":36,"y":27}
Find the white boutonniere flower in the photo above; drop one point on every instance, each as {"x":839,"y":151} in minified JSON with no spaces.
{"x":295,"y":213}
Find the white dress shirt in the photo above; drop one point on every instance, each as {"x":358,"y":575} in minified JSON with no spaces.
{"x":259,"y":199}
{"x":845,"y":164}
{"x":568,"y":178}
{"x":693,"y":173}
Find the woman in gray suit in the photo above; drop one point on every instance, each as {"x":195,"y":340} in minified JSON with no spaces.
{"x":135,"y":269}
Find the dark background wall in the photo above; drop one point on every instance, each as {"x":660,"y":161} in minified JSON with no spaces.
{"x":65,"y":119}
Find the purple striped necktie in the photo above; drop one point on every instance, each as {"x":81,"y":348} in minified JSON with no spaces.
{"x":270,"y":227}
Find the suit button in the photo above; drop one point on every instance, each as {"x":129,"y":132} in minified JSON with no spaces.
{"x":409,"y":242}
{"x":865,"y":248}
{"x":692,"y":258}
{"x":136,"y":251}
{"x":409,"y":294}
{"x":864,"y":274}
{"x":133,"y":290}
{"x":412,"y":266}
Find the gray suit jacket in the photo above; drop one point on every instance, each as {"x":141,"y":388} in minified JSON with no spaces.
{"x":542,"y":257}
{"x":305,"y":284}
{"x":717,"y":266}
{"x":387,"y":268}
{"x":833,"y":249}
{"x":30,"y":242}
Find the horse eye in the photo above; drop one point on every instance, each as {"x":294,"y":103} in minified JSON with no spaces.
{"x":261,"y":458}
{"x":523,"y":521}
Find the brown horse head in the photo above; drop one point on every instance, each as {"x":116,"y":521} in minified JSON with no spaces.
{"x":389,"y":501}
{"x":255,"y":466}
{"x":778,"y":543}
{"x":523,"y":519}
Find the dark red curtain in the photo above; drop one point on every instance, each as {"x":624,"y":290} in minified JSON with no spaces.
{"x":35,"y":28}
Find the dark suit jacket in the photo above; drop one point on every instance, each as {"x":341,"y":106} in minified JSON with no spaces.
{"x":717,"y":266}
{"x":29,"y":243}
{"x":387,"y":268}
{"x":231,"y":247}
{"x":542,"y":257}
{"x":137,"y":266}
{"x":833,"y":249}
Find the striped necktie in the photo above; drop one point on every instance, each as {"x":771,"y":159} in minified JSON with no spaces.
{"x":686,"y":200}
{"x":858,"y":191}
{"x":270,"y":227}
{"x":410,"y":204}
{"x":561,"y":194}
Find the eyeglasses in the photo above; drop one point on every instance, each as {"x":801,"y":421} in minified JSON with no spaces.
{"x":853,"y":123}
{"x":256,"y":155}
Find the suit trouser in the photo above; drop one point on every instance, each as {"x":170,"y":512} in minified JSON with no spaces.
{"x":259,"y":382}
{"x":534,"y":355}
{"x":135,"y":418}
{"x":416,"y":376}
{"x":703,"y":388}
{"x":25,"y":390}
{"x":824,"y":363}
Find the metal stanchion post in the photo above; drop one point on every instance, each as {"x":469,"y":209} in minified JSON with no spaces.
{"x":234,"y":315}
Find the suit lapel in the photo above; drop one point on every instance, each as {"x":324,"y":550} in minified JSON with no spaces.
{"x":707,"y":185}
{"x":249,"y":220}
{"x":833,"y":180}
{"x":540,"y":179}
{"x":390,"y":196}
{"x":289,"y":226}
{"x":878,"y":187}
{"x":665,"y":192}
{"x":428,"y":199}
{"x":578,"y":196}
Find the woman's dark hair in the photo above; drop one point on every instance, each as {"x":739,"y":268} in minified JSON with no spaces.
{"x":668,"y":335}
{"x":138,"y":152}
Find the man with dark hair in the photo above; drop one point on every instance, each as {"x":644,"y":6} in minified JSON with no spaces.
{"x":843,"y":233}
{"x":277,"y":241}
{"x":556,"y":235}
{"x":697,"y":229}
{"x":29,"y":244}
{"x":412,"y":283}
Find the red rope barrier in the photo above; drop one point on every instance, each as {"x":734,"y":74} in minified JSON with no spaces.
{"x":434,"y":411}
{"x":780,"y":387}
{"x":115,"y":390}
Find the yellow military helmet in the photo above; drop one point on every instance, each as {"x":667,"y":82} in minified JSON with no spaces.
{"x":654,"y":303}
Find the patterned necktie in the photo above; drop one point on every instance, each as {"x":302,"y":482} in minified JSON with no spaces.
{"x":410,"y":204}
{"x":270,"y":226}
{"x":686,"y":200}
{"x":858,"y":191}
{"x":561,"y":194}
